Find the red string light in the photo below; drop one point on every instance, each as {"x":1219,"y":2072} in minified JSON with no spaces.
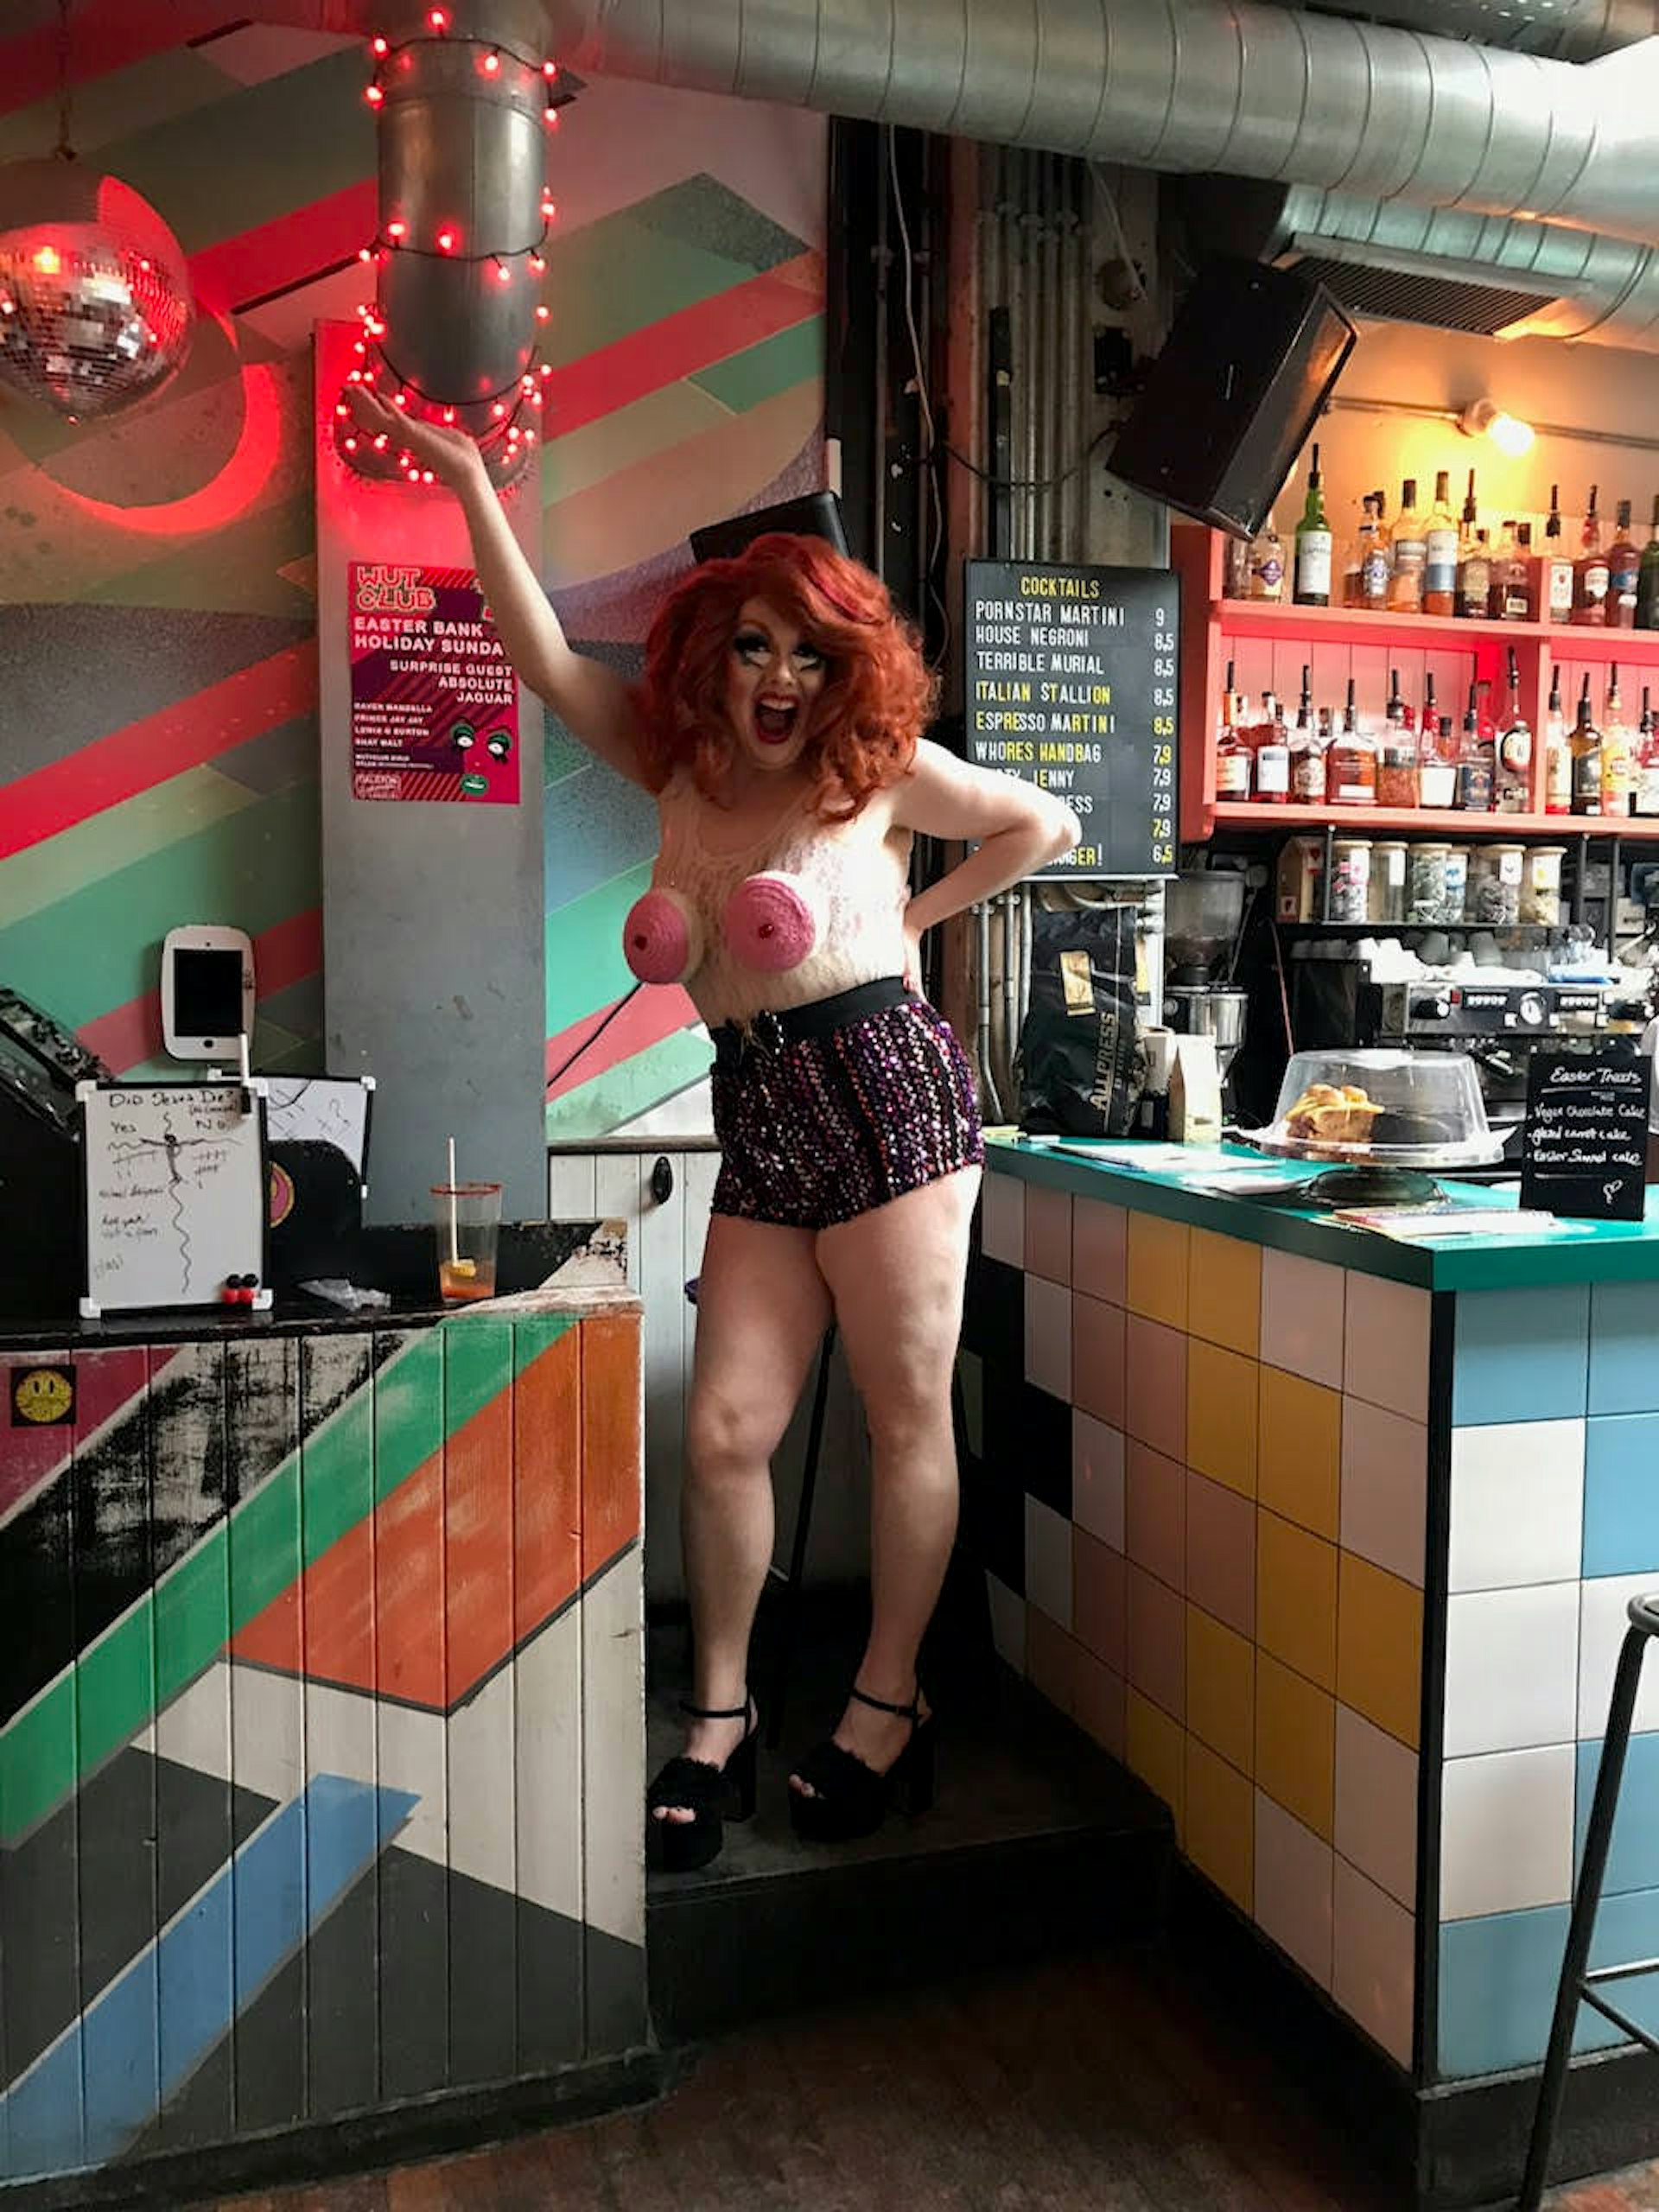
{"x":379,"y":47}
{"x":446,"y":241}
{"x":374,"y":96}
{"x":439,"y":19}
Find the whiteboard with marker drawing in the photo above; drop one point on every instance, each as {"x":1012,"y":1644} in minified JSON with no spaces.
{"x":173,"y":1193}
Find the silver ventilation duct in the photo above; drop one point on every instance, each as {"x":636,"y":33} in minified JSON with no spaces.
{"x":1229,"y":86}
{"x":1566,"y":30}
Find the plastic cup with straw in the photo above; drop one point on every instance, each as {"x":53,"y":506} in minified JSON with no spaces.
{"x":469,"y":1216}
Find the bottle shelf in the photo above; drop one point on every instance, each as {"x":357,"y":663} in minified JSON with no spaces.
{"x":1351,"y":625}
{"x":1443,"y":823}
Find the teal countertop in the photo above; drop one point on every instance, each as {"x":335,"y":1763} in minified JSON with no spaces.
{"x":1567,"y":1252}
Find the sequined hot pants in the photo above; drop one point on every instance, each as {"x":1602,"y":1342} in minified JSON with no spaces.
{"x":814,"y":1128}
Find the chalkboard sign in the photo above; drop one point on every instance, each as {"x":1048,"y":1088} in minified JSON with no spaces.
{"x":173,"y":1193}
{"x":1071,"y":683}
{"x":1584,"y":1150}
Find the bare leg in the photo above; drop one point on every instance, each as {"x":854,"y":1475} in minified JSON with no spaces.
{"x":762,"y":1309}
{"x":896,"y":1275}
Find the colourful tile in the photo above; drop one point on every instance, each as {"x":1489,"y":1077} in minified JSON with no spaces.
{"x":1623,"y":1332}
{"x":1506,"y":1831}
{"x":1603,"y":1625}
{"x":1155,"y":1520}
{"x":1097,"y":1478}
{"x":1048,"y":1561}
{"x":1299,"y":1466}
{"x":1295,"y":1896}
{"x":1302,"y":1307}
{"x":1100,"y":1709}
{"x":1518,"y":1504}
{"x":1048,"y":1233}
{"x":1048,"y":1337}
{"x":1007,"y":1611}
{"x":1052,"y":1659}
{"x":1155,"y":1360}
{"x":1224,"y":1291}
{"x":1100,"y":1604}
{"x":1376,"y":1805}
{"x":1002,"y":1218}
{"x":1296,"y":1599}
{"x":1221,"y":1553}
{"x":1374,"y":1961}
{"x":1385,"y":1344}
{"x":1097,"y":1359}
{"x":1157,"y":1645}
{"x":1221,"y":1689}
{"x":1512,"y":1669}
{"x":1295,"y":1745}
{"x":1220,"y":1823}
{"x":1633,"y":1860}
{"x":1156,"y":1276}
{"x":1522,"y":1355}
{"x":1621,"y":1497}
{"x":1497,"y":1990}
{"x":1156,"y":1751}
{"x":1100,"y":1245}
{"x":1380,"y":1647}
{"x":1222,"y":1396}
{"x":1384,"y":1488}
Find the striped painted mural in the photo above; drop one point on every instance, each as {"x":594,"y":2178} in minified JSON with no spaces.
{"x":319,"y":1719}
{"x":158,"y":732}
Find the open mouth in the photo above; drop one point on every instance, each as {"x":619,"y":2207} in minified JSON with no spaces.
{"x":775,"y":720}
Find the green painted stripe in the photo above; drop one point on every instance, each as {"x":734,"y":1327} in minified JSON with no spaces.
{"x":229,"y":571}
{"x":585,"y":967}
{"x":96,"y":948}
{"x":162,"y":89}
{"x":618,"y":275}
{"x":633,"y":1086}
{"x":256,"y":153}
{"x":645,"y":430}
{"x":761,"y":373}
{"x":116,"y":839}
{"x":477,"y":1365}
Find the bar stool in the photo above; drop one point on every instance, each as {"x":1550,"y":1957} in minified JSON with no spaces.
{"x":791,"y":1578}
{"x":1580,"y":1983}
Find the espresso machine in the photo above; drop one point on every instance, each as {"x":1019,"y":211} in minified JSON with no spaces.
{"x":1204,"y":914}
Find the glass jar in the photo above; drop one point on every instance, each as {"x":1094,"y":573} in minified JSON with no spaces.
{"x":1389,"y":882}
{"x":1397,"y":769}
{"x":1541,"y":885}
{"x":1494,"y":897}
{"x":1455,"y":905}
{"x":1351,"y":880}
{"x":1425,"y":883}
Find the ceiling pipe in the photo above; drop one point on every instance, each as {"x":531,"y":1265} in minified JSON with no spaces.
{"x":1232,"y":86}
{"x":1566,"y":30}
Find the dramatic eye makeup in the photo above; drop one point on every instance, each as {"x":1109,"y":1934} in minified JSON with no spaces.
{"x":751,"y":645}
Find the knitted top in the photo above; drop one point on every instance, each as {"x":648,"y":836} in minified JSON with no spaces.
{"x":808,"y":909}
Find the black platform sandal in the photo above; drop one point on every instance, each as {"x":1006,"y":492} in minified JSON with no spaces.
{"x":706,"y":1790}
{"x":850,"y":1799}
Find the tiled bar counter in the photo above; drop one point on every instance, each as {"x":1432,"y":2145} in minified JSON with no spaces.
{"x":1329,"y":1538}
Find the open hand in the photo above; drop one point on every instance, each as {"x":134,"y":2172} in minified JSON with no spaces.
{"x":451,"y":455}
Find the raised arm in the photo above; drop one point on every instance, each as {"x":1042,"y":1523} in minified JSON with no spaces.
{"x":593,"y":701}
{"x":1018,"y":830}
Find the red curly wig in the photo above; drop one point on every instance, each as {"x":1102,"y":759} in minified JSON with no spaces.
{"x":877,"y":699}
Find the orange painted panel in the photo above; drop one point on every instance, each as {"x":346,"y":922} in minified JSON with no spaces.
{"x":610,"y":1437}
{"x":408,"y":1587}
{"x":478,"y":1546}
{"x":547,"y":1497}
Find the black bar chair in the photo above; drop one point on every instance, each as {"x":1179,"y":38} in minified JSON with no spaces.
{"x":1580,"y":1983}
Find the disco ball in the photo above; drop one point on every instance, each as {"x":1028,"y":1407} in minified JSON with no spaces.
{"x":95,"y":300}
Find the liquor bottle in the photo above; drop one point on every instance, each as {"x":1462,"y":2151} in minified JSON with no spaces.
{"x":1475,"y":579}
{"x":1351,"y":765}
{"x":1440,"y":552}
{"x":1647,"y":766}
{"x":1558,"y":755}
{"x":1406,"y":568}
{"x":1512,"y":582}
{"x":1556,"y":577}
{"x":1313,"y":543}
{"x":1624,"y":567}
{"x":1267,"y":563}
{"x":1514,"y":751}
{"x":1234,"y":759}
{"x":1590,"y":573}
{"x":1236,"y":569}
{"x":1437,"y":753}
{"x":1477,"y":770}
{"x":1585,"y":745}
{"x":1272,"y":755}
{"x":1375,"y":567}
{"x":1306,"y":753}
{"x":1397,"y":765}
{"x":1647,"y":578}
{"x":1617,"y":765}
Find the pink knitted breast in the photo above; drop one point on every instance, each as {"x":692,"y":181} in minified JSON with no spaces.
{"x":662,"y":938}
{"x":770,"y":924}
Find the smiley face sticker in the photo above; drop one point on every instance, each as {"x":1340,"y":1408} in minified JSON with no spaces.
{"x":42,"y":1397}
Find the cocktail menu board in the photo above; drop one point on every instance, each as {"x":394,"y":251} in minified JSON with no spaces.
{"x":1069,"y":681}
{"x":1584,"y":1150}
